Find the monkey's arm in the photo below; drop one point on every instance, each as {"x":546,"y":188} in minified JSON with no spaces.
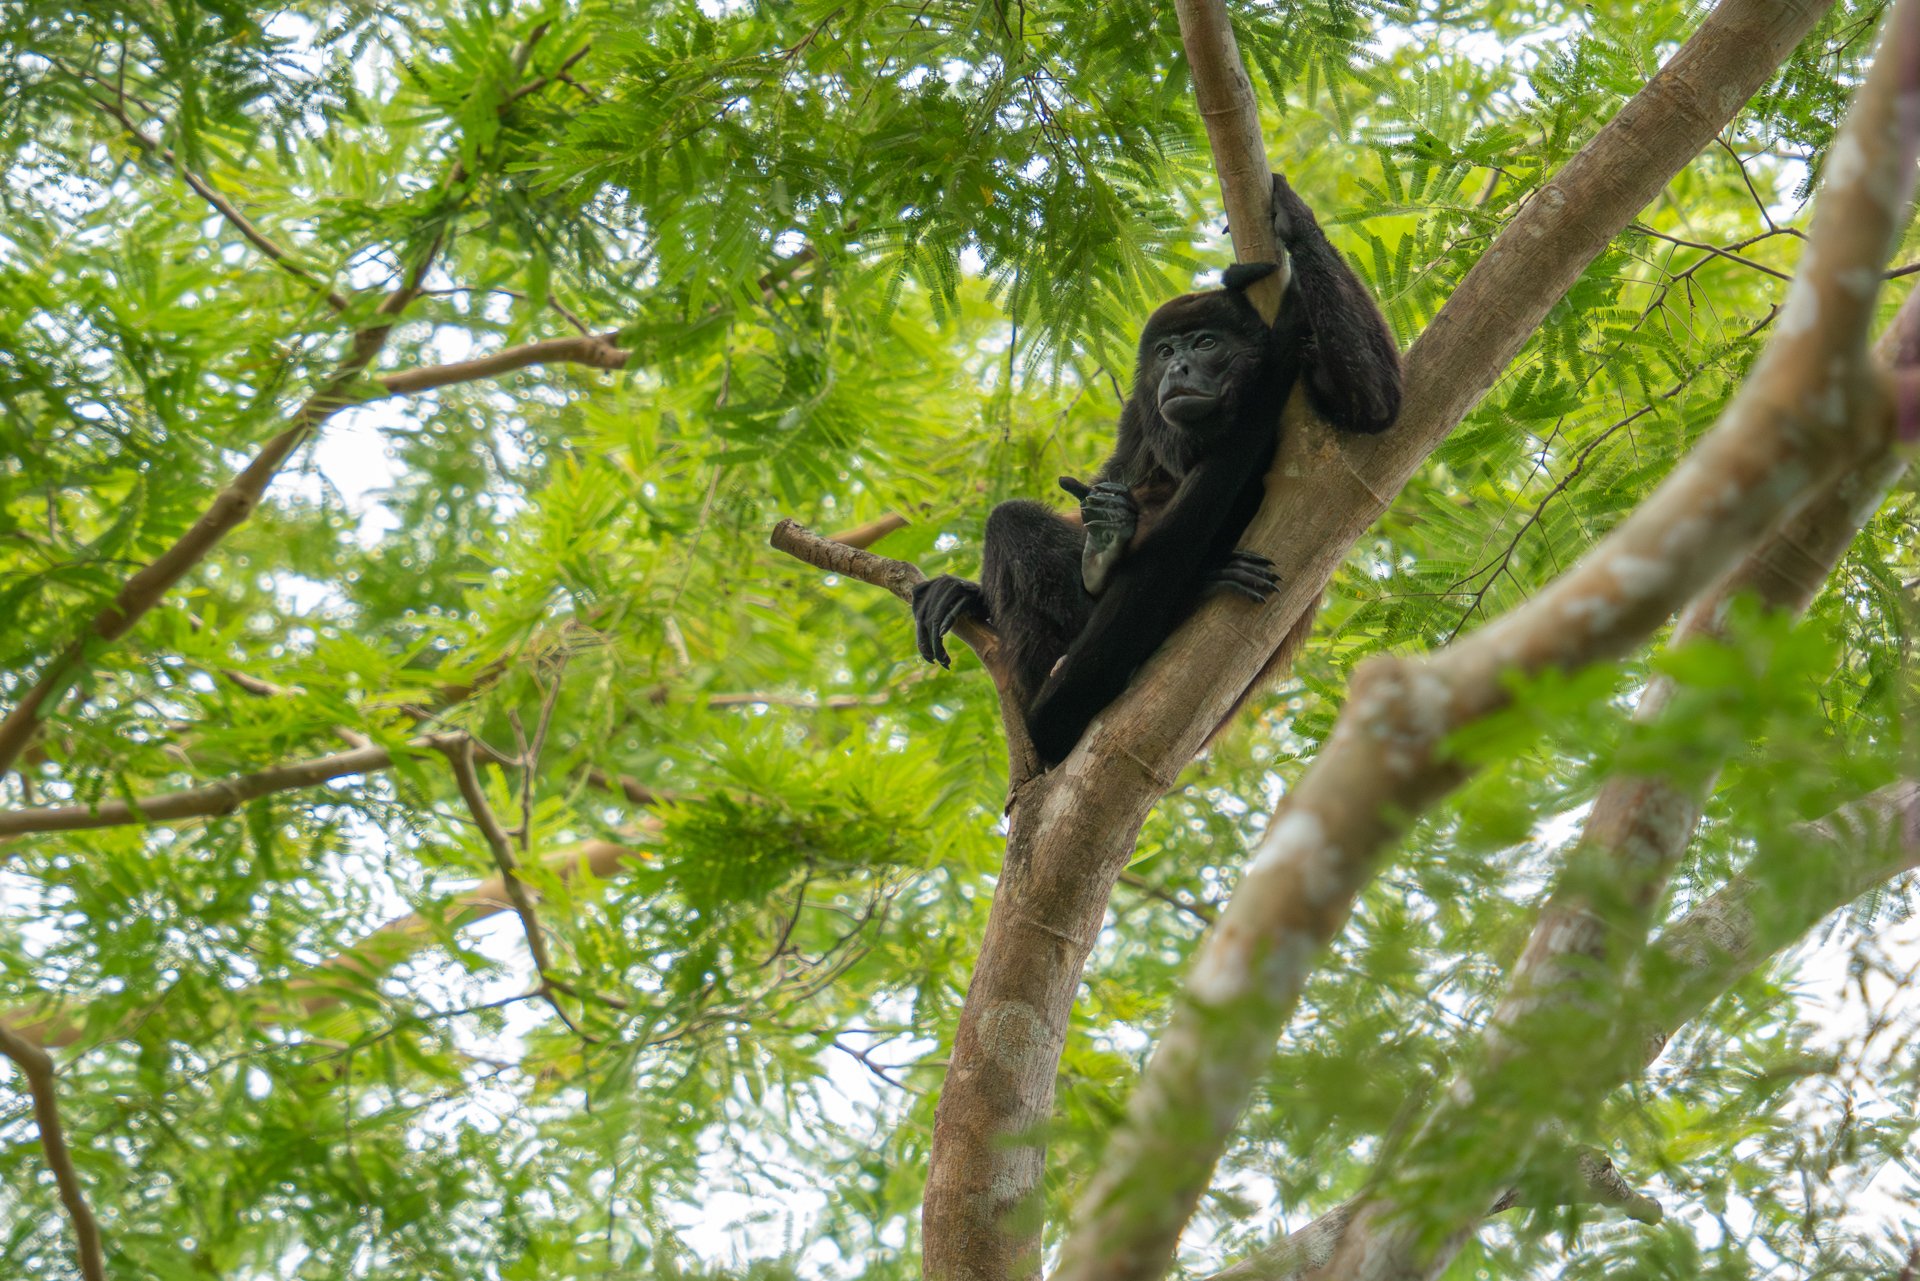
{"x":1110,"y":517}
{"x":1151,"y":590}
{"x":1352,"y":368}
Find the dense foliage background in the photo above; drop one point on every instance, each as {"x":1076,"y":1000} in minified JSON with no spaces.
{"x":866,"y":259}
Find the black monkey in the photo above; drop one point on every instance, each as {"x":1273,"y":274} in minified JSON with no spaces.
{"x":1081,"y":606}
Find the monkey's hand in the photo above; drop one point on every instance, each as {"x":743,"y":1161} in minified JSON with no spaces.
{"x":938,"y":604}
{"x":1248,"y":573}
{"x":1110,"y":516}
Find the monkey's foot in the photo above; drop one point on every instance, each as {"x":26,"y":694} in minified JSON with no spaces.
{"x":1111,"y":517}
{"x":1248,"y":573}
{"x":938,"y":604}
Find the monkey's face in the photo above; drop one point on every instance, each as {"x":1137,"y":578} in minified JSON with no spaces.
{"x":1192,"y":374}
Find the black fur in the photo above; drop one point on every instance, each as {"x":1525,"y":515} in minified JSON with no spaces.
{"x":1208,"y":359}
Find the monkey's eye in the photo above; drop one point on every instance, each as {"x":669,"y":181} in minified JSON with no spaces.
{"x":1164,"y":351}
{"x":1205,"y":343}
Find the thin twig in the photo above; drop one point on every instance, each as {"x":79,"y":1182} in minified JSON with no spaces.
{"x":1715,"y":250}
{"x":459,"y":754}
{"x":1199,"y":912}
{"x":224,"y":207}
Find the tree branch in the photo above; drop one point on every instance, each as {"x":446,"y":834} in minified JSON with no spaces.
{"x":234,"y":504}
{"x":205,"y":801}
{"x":207,"y":192}
{"x":596,"y":350}
{"x":1828,"y":862}
{"x":1813,"y":377}
{"x":459,"y":754}
{"x":37,"y":1068}
{"x":1231,"y":113}
{"x":900,"y":578}
{"x":1643,"y":824}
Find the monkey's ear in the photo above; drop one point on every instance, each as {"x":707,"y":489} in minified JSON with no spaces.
{"x":1242,"y":274}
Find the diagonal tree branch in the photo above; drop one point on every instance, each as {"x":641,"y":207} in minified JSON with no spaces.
{"x":1828,"y":862}
{"x":838,"y":557}
{"x":229,"y":509}
{"x":234,"y":504}
{"x":37,"y":1068}
{"x":1808,"y":412}
{"x":459,"y":754}
{"x":1774,"y":450}
{"x":1641,"y":825}
{"x":279,"y":256}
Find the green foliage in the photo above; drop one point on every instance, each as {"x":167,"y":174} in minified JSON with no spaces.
{"x":867,"y":259}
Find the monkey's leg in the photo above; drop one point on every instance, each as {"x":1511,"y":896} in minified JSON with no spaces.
{"x":1030,"y":570}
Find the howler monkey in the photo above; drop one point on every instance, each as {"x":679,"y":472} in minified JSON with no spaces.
{"x":1080,"y":606}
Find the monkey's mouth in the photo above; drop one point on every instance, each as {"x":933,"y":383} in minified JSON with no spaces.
{"x":1183,"y":406}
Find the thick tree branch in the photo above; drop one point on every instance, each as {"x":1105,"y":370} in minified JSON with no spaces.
{"x":1642,"y":825}
{"x":1073,"y":829}
{"x":37,"y":1068}
{"x":1813,"y":377}
{"x":1789,"y":886}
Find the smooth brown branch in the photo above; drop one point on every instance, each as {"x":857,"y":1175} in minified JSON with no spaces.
{"x":37,"y":1068}
{"x":595,"y":350}
{"x":872,"y":532}
{"x":206,"y":801}
{"x":1225,"y":100}
{"x":1811,"y":391}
